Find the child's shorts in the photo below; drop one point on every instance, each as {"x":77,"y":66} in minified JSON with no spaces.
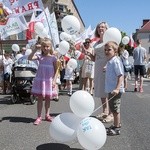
{"x":7,"y":77}
{"x":114,"y":103}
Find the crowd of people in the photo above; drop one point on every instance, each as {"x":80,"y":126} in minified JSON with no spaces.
{"x":102,"y":72}
{"x":8,"y":61}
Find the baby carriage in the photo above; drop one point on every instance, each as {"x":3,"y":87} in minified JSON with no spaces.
{"x":22,"y":83}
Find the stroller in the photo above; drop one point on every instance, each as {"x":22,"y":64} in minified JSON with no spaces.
{"x":22,"y":79}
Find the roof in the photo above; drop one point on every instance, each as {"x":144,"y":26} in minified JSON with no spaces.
{"x":145,"y":28}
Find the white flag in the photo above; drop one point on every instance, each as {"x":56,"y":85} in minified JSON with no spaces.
{"x":50,"y":24}
{"x":131,"y":42}
{"x":85,"y":34}
{"x":13,"y":26}
{"x":54,"y":29}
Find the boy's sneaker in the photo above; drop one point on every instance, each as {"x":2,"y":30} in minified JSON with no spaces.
{"x":38,"y":121}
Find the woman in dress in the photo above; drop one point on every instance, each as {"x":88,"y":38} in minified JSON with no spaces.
{"x":99,"y":72}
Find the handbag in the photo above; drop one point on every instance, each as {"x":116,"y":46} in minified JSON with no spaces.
{"x":89,"y":69}
{"x":127,"y":68}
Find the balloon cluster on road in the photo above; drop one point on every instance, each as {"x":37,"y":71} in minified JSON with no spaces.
{"x":78,"y":125}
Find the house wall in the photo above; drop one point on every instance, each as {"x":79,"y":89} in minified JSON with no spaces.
{"x":70,"y":5}
{"x":74,"y":10}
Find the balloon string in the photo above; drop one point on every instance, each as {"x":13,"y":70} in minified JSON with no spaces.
{"x":103,"y":104}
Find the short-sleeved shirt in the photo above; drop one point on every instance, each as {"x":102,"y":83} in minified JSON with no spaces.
{"x":114,"y":68}
{"x":139,"y":55}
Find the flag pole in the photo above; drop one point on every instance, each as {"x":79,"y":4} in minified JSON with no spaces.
{"x":49,"y":28}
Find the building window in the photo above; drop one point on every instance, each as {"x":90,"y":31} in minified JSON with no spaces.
{"x":22,"y":35}
{"x":61,"y":8}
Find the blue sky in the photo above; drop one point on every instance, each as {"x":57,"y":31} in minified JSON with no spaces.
{"x":126,"y":15}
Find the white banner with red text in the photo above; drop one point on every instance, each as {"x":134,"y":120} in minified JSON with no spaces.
{"x":23,"y":6}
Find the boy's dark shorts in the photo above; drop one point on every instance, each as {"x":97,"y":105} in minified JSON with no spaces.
{"x":7,"y":77}
{"x":114,"y":103}
{"x":139,"y":69}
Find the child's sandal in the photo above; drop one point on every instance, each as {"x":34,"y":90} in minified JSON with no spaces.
{"x":48,"y":118}
{"x":112,"y":131}
{"x":38,"y":121}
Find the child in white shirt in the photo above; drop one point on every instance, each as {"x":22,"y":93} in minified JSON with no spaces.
{"x":114,"y":85}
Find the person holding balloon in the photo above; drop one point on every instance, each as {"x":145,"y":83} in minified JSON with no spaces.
{"x":99,"y":73}
{"x":114,"y":84}
{"x":45,"y":80}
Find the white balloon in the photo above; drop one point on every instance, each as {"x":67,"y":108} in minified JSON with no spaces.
{"x":91,"y":133}
{"x":15,"y":47}
{"x":28,"y":46}
{"x":73,"y":37}
{"x":125,"y":40}
{"x":28,"y":52}
{"x":65,"y":36}
{"x":63,"y":47}
{"x":57,"y":49}
{"x":18,"y":56}
{"x":38,"y":27}
{"x":82,"y":103}
{"x":72,"y":63}
{"x":64,"y":126}
{"x":43,"y":34}
{"x":70,"y":24}
{"x":112,"y":34}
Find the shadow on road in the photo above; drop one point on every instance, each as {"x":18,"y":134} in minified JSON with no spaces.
{"x":55,"y":146}
{"x":18,"y":119}
{"x":5,"y":100}
{"x":55,"y":114}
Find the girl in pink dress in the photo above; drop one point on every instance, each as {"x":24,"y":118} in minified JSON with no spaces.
{"x":45,"y":80}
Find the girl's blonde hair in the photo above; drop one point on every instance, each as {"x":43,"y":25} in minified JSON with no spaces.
{"x":47,"y":41}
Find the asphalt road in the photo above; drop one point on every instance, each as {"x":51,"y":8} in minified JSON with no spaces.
{"x":17,"y":131}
